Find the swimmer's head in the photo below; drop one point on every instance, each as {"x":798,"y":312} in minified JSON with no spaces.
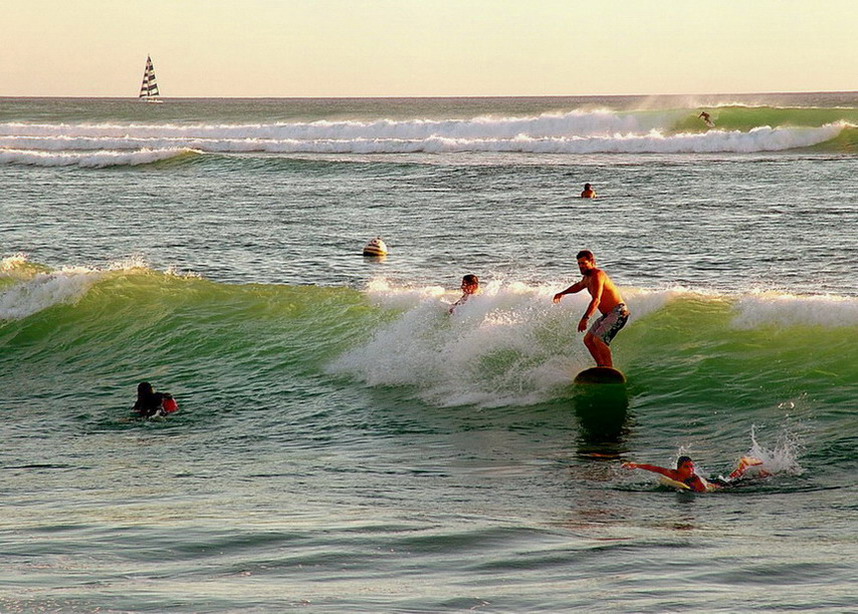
{"x":685,"y":466}
{"x":144,"y":388}
{"x":586,"y":186}
{"x":470,"y":284}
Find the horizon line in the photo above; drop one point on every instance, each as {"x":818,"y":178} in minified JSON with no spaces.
{"x":440,"y":96}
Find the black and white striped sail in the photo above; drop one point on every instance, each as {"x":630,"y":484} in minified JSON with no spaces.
{"x":149,"y":88}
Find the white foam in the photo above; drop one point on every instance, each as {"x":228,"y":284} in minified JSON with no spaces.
{"x":40,"y":290}
{"x":508,"y":345}
{"x":775,"y":309}
{"x":779,"y":459}
{"x":14,"y":262}
{"x":97,"y":159}
{"x":45,"y":290}
{"x":575,"y":132}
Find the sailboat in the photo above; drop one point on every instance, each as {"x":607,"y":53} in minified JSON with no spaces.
{"x":149,"y":88}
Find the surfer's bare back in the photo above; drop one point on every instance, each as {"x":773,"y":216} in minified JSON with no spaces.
{"x":605,"y":298}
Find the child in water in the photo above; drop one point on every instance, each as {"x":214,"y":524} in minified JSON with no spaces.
{"x":685,"y":473}
{"x":470,"y":286}
{"x":150,"y":403}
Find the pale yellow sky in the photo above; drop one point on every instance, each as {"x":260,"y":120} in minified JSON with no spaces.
{"x":427,"y":47}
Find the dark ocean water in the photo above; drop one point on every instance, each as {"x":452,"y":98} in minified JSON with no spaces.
{"x":344,"y":444}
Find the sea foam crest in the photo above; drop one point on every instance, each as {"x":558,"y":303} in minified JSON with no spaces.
{"x":95,"y":159}
{"x":37,"y":288}
{"x":569,"y":133}
{"x":46,"y":290}
{"x":775,"y":309}
{"x":508,"y":345}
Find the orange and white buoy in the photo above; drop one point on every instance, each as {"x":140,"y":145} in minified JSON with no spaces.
{"x":375,"y":248}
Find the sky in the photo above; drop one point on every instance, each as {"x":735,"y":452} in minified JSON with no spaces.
{"x":344,"y":48}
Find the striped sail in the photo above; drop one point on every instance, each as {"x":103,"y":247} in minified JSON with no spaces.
{"x":149,"y":88}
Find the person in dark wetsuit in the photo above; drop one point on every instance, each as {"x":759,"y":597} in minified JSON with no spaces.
{"x":150,"y":403}
{"x":685,"y":473}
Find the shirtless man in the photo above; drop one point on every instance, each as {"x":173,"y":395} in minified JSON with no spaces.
{"x":605,"y":298}
{"x":588,"y":192}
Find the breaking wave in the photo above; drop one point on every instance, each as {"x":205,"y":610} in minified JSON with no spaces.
{"x":738,"y":130}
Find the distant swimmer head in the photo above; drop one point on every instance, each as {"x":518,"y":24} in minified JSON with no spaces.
{"x":586,"y":186}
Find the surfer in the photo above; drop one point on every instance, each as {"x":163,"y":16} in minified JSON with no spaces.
{"x":707,"y":119}
{"x":470,"y":286}
{"x":150,"y":403}
{"x":588,"y":192}
{"x":605,"y":297}
{"x":686,"y":473}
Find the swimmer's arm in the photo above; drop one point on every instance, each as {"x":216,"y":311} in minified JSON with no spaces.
{"x":461,"y":301}
{"x":654,"y":468}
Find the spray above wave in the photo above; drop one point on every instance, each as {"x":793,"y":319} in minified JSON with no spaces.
{"x":575,"y":132}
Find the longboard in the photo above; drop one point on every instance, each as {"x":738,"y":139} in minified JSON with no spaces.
{"x":600,"y":375}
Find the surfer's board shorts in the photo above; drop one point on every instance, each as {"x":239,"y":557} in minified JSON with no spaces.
{"x":607,"y":327}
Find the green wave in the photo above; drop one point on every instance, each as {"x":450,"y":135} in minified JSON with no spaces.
{"x":746,"y":118}
{"x":211,"y":340}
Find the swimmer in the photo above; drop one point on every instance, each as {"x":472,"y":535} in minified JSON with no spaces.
{"x":470,"y":286}
{"x":150,"y":403}
{"x":686,"y":473}
{"x":588,"y":192}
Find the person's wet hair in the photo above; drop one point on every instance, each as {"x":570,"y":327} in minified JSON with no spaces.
{"x":144,"y":388}
{"x":682,"y":460}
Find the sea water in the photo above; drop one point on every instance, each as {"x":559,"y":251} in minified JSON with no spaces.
{"x":344,"y":443}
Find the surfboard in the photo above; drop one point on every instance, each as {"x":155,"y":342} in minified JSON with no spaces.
{"x":666,"y":481}
{"x":600,"y":375}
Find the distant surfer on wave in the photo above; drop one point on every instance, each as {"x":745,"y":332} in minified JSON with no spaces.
{"x":470,"y":286}
{"x":588,"y":192}
{"x":707,"y":119}
{"x":150,"y":403}
{"x":605,"y":298}
{"x":685,"y":474}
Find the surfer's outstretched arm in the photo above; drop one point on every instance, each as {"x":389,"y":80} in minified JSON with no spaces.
{"x":576,"y":287}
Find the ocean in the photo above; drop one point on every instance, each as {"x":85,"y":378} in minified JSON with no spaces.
{"x":344,"y":443}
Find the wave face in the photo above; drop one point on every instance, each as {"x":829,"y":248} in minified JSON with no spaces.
{"x":737,"y":129}
{"x":508,"y":346}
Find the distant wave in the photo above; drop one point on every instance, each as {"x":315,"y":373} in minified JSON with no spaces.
{"x":90,"y":159}
{"x":575,"y":132}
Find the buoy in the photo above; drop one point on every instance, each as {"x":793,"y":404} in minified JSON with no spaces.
{"x":375,"y":248}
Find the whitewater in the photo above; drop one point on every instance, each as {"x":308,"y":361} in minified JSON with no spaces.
{"x":569,"y":133}
{"x":346,"y":444}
